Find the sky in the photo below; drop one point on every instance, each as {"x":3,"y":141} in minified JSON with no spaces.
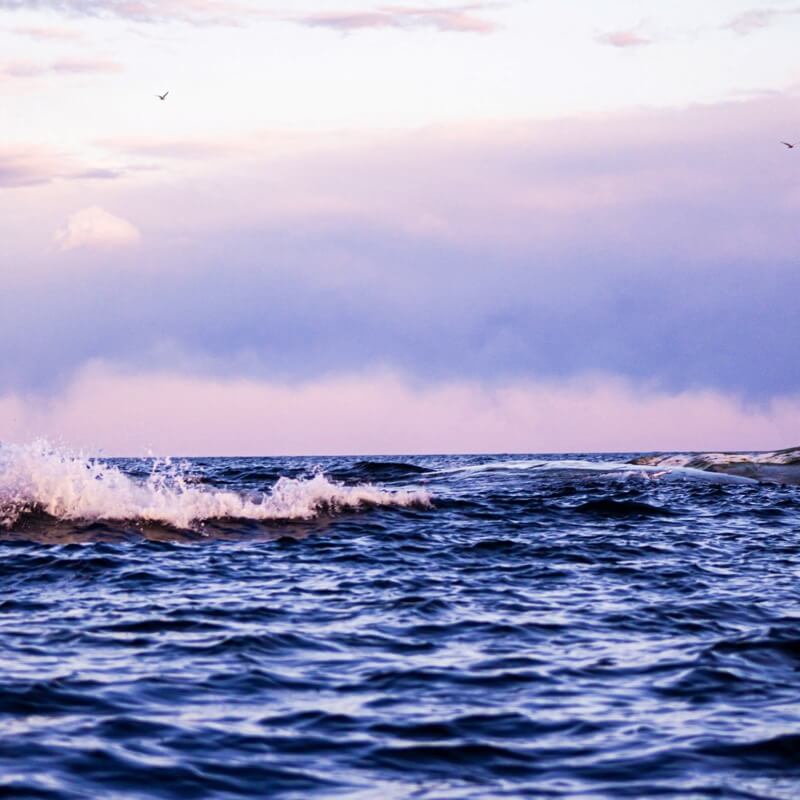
{"x":422,"y":226}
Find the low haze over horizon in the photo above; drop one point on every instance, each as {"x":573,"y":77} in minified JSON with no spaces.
{"x":359,"y":227}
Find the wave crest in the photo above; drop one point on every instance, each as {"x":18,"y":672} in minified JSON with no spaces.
{"x":40,"y":478}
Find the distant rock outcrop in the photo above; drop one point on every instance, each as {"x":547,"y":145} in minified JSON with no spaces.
{"x":778,"y":466}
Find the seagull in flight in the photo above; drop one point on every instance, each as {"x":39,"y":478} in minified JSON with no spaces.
{"x":164,"y":97}
{"x":789,"y":145}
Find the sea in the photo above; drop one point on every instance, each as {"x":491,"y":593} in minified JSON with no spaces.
{"x":488,"y":626}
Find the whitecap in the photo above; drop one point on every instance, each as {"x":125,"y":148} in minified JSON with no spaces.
{"x":68,"y":486}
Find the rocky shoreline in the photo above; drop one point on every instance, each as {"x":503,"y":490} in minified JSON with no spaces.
{"x":776,"y":466}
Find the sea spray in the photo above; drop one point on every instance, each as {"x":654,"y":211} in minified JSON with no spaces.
{"x":67,"y":486}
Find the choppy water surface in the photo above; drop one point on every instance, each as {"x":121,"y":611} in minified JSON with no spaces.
{"x":427,"y":627}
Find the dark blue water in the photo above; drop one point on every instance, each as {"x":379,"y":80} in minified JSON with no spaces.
{"x":533,"y":631}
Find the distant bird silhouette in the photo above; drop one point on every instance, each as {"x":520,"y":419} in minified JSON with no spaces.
{"x":164,"y":97}
{"x":790,"y":146}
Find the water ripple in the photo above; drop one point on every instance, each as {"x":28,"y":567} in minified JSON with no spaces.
{"x":538,"y":627}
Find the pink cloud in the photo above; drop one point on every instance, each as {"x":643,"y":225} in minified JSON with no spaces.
{"x":179,"y":149}
{"x":201,"y":12}
{"x":31,"y":166}
{"x":624,"y":38}
{"x":125,"y":413}
{"x":757,"y":19}
{"x":460,"y":19}
{"x":26,"y":166}
{"x":23,"y":69}
{"x":83,"y":66}
{"x":50,"y":33}
{"x":619,"y":180}
{"x":61,"y":66}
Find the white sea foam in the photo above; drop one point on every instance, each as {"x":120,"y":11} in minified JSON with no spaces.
{"x":660,"y":471}
{"x":38,"y":477}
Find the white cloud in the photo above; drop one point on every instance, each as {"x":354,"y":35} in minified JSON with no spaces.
{"x":95,"y":227}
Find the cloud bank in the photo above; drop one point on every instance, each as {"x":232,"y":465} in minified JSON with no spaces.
{"x":129,"y":414}
{"x":657,"y":247}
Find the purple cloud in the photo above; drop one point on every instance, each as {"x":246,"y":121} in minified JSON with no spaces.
{"x":97,"y":174}
{"x":85,"y":66}
{"x":25,"y":167}
{"x":756,"y":19}
{"x":192,"y":11}
{"x":28,"y":166}
{"x":661,"y":252}
{"x":460,"y":19}
{"x":179,"y":149}
{"x":49,"y":33}
{"x":61,"y":66}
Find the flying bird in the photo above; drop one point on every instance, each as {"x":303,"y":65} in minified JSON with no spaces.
{"x":162,"y":96}
{"x":790,"y":146}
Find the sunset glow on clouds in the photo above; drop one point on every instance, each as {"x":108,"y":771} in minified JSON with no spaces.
{"x":355,"y":414}
{"x":333,"y":245}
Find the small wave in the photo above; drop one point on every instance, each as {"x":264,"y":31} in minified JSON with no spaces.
{"x":377,"y":467}
{"x":380,"y":471}
{"x":608,"y":507}
{"x":491,"y":466}
{"x":777,"y":752}
{"x":38,"y":478}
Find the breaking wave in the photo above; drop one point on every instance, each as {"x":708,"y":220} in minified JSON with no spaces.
{"x":39,"y":478}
